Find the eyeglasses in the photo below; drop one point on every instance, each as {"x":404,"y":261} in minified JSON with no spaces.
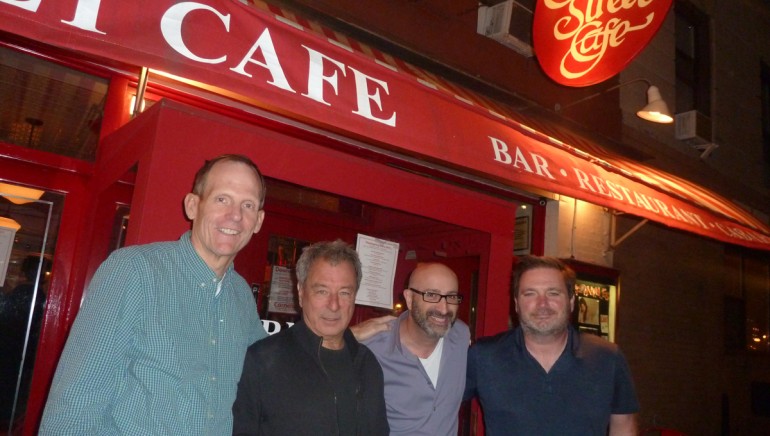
{"x":435,"y":297}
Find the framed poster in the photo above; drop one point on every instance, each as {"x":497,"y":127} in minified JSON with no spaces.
{"x":596,"y":290}
{"x":283,"y":299}
{"x":521,"y":235}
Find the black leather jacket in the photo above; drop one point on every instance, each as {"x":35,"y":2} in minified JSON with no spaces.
{"x":284,"y":389}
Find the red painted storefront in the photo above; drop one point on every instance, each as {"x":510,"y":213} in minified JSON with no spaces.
{"x":423,"y":166}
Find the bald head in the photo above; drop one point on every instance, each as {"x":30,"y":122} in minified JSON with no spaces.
{"x":433,"y":317}
{"x":433,"y":272}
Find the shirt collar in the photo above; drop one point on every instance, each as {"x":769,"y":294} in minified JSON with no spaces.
{"x":573,"y":340}
{"x":198,"y":267}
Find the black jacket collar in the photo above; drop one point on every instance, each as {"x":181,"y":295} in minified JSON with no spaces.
{"x":311,"y":342}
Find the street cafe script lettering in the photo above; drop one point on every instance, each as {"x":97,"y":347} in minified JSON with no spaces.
{"x":583,"y":42}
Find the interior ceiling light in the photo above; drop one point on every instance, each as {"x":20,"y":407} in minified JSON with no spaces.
{"x":9,"y":224}
{"x":19,"y":194}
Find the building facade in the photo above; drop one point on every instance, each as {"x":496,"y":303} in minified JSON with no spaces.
{"x":689,"y":308}
{"x":383,"y":140}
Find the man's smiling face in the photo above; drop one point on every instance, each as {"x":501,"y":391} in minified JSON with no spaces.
{"x":226,"y":214}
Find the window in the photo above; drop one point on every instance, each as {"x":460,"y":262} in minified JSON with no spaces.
{"x":49,"y":107}
{"x":693,"y":60}
{"x":749,"y":297}
{"x":765,"y":78}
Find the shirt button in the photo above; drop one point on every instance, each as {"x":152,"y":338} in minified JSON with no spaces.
{"x":203,"y":285}
{"x":213,"y":342}
{"x":213,"y":378}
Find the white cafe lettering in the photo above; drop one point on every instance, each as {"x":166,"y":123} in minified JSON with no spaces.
{"x":367,"y":88}
{"x":537,"y":164}
{"x":608,"y":188}
{"x":369,"y":91}
{"x":86,"y":12}
{"x":273,"y":327}
{"x":518,"y":160}
{"x":590,"y":36}
{"x":738,"y":233}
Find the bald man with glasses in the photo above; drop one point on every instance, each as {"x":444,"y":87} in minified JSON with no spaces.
{"x":423,"y":355}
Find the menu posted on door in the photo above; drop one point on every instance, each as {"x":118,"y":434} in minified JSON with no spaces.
{"x":378,"y":262}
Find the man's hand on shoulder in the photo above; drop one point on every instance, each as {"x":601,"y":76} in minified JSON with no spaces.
{"x":371,"y":327}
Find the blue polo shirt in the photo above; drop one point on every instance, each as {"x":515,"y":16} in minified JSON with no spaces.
{"x":414,"y":405}
{"x":589,"y":382}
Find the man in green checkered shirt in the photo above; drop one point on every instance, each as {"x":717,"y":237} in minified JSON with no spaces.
{"x":158,"y":345}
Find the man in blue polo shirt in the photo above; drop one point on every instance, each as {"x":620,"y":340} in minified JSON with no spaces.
{"x":544,"y":377}
{"x":424,"y":354}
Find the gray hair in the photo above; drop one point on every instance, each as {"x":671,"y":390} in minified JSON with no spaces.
{"x":333,"y":252}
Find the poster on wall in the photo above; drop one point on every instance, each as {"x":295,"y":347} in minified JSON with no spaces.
{"x":282,"y":296}
{"x":521,"y":235}
{"x":378,"y":261}
{"x":595,"y":308}
{"x":279,"y":286}
{"x":284,"y":250}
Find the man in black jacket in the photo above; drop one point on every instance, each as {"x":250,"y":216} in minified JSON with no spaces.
{"x":314,"y":378}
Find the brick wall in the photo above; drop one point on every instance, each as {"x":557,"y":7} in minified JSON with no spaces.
{"x":670,"y":320}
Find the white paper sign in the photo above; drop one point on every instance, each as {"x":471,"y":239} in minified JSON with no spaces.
{"x":378,"y":261}
{"x":282,"y":297}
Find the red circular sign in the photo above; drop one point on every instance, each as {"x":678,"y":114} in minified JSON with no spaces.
{"x":583,"y":42}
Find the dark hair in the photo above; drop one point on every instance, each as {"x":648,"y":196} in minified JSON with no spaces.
{"x":527,"y":263}
{"x":333,"y":252}
{"x":199,"y":185}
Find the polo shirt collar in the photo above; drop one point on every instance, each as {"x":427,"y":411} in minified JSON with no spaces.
{"x":198,"y":267}
{"x":570,"y":352}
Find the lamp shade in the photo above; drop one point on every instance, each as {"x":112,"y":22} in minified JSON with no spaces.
{"x":19,"y":194}
{"x":656,"y":109}
{"x":9,"y":224}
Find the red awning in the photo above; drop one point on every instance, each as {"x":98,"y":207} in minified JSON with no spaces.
{"x":548,"y":133}
{"x":297,"y":68}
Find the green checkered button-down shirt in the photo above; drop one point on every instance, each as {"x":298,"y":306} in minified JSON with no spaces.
{"x":154,"y":349}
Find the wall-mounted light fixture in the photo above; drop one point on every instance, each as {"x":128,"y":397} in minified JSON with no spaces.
{"x":656,"y":109}
{"x":9,"y":224}
{"x":19,"y":194}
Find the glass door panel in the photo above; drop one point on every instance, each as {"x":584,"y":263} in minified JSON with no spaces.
{"x":28,"y":227}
